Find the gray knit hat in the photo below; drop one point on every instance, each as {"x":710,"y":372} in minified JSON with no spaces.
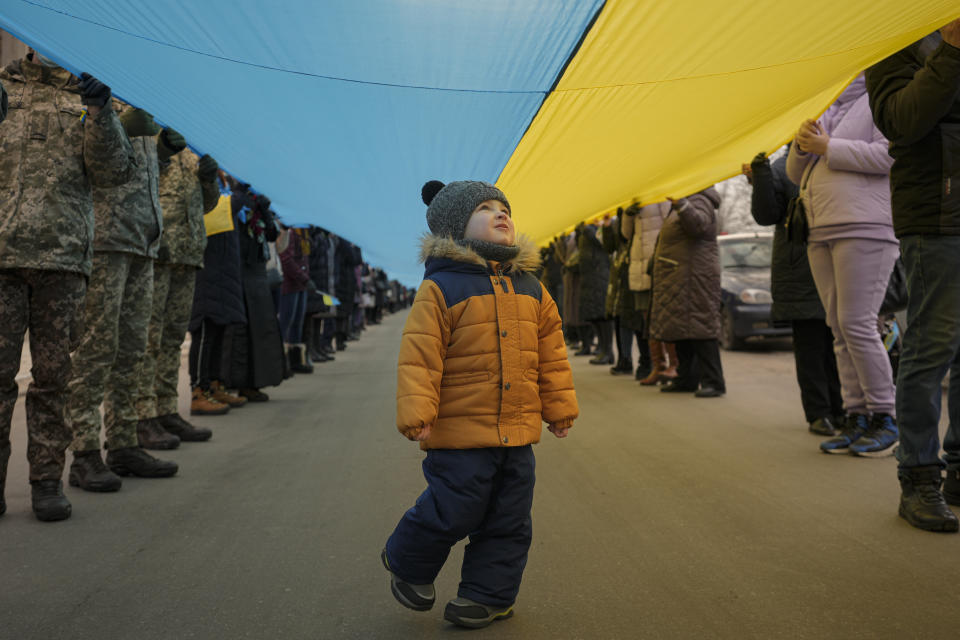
{"x":449,"y":206}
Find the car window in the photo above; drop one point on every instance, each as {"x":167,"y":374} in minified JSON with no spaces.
{"x":749,"y":253}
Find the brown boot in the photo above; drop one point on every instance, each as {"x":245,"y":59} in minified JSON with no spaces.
{"x":670,"y":370}
{"x":658,"y":360}
{"x":203,"y":405}
{"x":221,"y":395}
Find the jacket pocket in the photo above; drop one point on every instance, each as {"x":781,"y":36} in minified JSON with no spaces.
{"x":950,"y":183}
{"x":463,"y":379}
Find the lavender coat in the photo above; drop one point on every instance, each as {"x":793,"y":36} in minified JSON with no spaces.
{"x":850,"y":185}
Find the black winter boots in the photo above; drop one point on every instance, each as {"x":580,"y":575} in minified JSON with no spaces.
{"x":921,"y":503}
{"x":173,"y":423}
{"x":90,"y":474}
{"x":297,"y":357}
{"x":49,"y":503}
{"x":152,"y":435}
{"x":137,"y":462}
{"x":951,"y":485}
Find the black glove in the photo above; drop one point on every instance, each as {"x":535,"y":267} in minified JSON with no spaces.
{"x":759,"y":160}
{"x":206,"y":168}
{"x":169,"y":143}
{"x":92,"y":91}
{"x":137,"y":122}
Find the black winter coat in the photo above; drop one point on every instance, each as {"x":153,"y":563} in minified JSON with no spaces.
{"x":253,"y":353}
{"x":594,"y":275}
{"x":794,"y":292}
{"x":321,"y":251}
{"x":218,"y":295}
{"x":916,"y":104}
{"x":686,"y":272}
{"x":348,"y":257}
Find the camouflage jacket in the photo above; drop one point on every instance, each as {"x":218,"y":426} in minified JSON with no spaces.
{"x":128,"y":217}
{"x":185,"y":200}
{"x":49,"y":159}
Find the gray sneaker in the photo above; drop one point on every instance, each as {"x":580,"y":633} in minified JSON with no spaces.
{"x":473,"y":615}
{"x":419,"y":597}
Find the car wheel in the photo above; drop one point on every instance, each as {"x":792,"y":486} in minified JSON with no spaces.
{"x":728,"y":339}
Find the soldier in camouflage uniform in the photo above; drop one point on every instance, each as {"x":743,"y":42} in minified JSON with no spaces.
{"x":118,"y":305}
{"x":3,"y":103}
{"x":188,"y":190}
{"x":52,"y":149}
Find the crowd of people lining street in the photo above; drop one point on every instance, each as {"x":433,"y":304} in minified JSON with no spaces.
{"x":866,"y":222}
{"x":116,"y":240}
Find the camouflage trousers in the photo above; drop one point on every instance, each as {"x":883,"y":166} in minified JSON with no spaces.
{"x":106,"y":365}
{"x":50,"y":305}
{"x":173,"y":286}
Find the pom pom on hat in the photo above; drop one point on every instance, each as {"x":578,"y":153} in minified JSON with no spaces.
{"x":430,"y":190}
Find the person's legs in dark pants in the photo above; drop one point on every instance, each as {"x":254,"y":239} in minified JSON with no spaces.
{"x":494,"y":561}
{"x":455,"y":502}
{"x":624,"y":348}
{"x":644,"y":359}
{"x":205,"y":353}
{"x":688,"y":368}
{"x":816,"y":368}
{"x":484,"y":493}
{"x":585,"y":333}
{"x":711,"y":368}
{"x":604,"y":329}
{"x":930,"y":345}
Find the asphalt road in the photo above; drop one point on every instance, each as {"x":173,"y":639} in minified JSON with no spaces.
{"x":659,"y":517}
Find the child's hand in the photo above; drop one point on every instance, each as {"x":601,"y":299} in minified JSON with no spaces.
{"x":424,"y":433}
{"x":560,"y":432}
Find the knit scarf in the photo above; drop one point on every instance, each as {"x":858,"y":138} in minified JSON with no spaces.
{"x":492,"y":251}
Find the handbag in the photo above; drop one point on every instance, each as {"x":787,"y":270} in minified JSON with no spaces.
{"x":895,"y":298}
{"x":796,"y":224}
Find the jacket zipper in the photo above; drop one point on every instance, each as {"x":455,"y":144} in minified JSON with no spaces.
{"x":503,"y":283}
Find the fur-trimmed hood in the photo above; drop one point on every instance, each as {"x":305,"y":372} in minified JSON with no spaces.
{"x":444,"y":247}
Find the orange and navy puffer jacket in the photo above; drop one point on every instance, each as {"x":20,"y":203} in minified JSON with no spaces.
{"x":483,"y":358}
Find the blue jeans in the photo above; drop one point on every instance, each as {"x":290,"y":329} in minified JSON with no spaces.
{"x":293,"y":308}
{"x":486,"y":494}
{"x":930,"y":346}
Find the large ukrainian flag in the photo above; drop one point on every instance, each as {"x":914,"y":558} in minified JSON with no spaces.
{"x":340,"y":110}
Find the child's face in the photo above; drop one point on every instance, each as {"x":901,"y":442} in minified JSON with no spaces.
{"x":491,"y":221}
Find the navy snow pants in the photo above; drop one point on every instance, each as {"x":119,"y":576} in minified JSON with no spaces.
{"x":486,"y":494}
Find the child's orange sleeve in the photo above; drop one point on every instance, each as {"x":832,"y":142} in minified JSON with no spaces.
{"x":422,"y":351}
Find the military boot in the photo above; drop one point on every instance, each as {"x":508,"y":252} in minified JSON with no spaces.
{"x":90,"y":474}
{"x":135,"y":461}
{"x":3,"y":501}
{"x":921,"y":503}
{"x":951,"y":485}
{"x":220,"y":394}
{"x":152,"y":435}
{"x":49,"y":503}
{"x":179,"y":427}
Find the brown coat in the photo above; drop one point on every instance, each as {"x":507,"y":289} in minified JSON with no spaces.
{"x":686,"y":272}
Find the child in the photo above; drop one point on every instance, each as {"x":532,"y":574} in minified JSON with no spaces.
{"x":482,"y":364}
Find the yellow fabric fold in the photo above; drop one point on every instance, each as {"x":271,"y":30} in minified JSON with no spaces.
{"x":664,"y":99}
